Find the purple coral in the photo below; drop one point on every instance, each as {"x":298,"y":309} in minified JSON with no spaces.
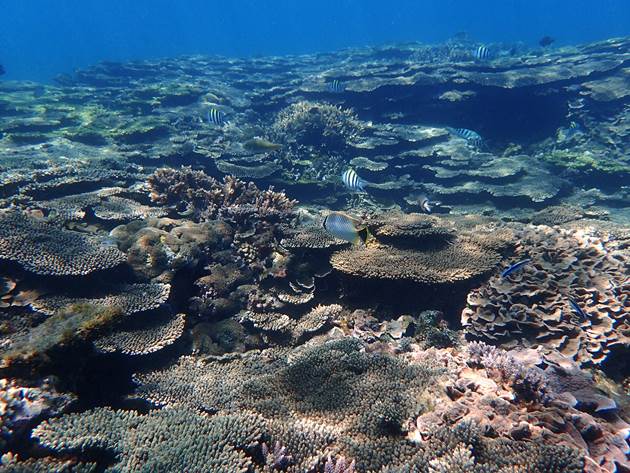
{"x":339,"y":466}
{"x":528,"y":382}
{"x":276,"y":459}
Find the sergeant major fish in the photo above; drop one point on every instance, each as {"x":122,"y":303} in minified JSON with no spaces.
{"x":482,"y":52}
{"x":470,"y":136}
{"x":336,"y":86}
{"x":216,"y":117}
{"x":352,"y":181}
{"x":344,"y":227}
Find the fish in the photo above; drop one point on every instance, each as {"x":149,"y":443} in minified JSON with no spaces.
{"x":546,"y":41}
{"x":336,"y":86}
{"x":216,"y":117}
{"x":425,"y":204}
{"x":469,"y":135}
{"x":344,"y":227}
{"x":482,"y":52}
{"x":514,"y":267}
{"x":261,"y":144}
{"x":577,"y":309}
{"x":352,"y":181}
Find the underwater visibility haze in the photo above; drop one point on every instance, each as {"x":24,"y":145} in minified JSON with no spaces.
{"x":315,"y":237}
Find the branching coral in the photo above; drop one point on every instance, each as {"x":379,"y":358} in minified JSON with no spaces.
{"x":207,"y":199}
{"x":163,"y":440}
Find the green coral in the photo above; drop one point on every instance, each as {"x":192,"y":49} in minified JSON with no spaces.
{"x":70,"y":324}
{"x":585,"y":160}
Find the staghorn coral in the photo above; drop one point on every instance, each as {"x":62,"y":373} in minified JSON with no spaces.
{"x":48,"y":250}
{"x":531,"y":308}
{"x":207,"y":198}
{"x":365,"y":396}
{"x":144,"y":340}
{"x":163,"y":440}
{"x":127,"y":298}
{"x":317,"y":124}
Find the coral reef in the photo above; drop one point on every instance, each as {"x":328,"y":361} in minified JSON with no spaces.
{"x":149,"y":338}
{"x":317,"y":124}
{"x":177,"y":439}
{"x":532,"y":307}
{"x":196,"y":193}
{"x":132,"y":241}
{"x":129,"y":299}
{"x":44,"y":249}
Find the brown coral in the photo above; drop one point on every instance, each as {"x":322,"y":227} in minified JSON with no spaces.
{"x":46,"y":249}
{"x":532,"y":307}
{"x":460,"y":261}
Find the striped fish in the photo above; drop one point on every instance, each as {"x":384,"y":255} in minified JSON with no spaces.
{"x":469,"y":135}
{"x":336,"y":86}
{"x":482,"y":52}
{"x":216,"y":117}
{"x":344,"y":227}
{"x":352,"y":181}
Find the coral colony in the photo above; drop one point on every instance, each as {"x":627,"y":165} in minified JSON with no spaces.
{"x":173,"y":299}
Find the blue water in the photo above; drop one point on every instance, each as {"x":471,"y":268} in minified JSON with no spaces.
{"x":42,"y":38}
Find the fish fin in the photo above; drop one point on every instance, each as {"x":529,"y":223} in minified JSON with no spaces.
{"x":364,"y":235}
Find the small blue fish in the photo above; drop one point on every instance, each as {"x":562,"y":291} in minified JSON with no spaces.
{"x":216,"y":117}
{"x":336,"y":86}
{"x":577,"y":309}
{"x":514,"y":267}
{"x":345,"y":228}
{"x":482,"y":52}
{"x":352,"y":181}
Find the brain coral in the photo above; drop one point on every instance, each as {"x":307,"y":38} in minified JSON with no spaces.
{"x":45,"y":249}
{"x":531,"y":307}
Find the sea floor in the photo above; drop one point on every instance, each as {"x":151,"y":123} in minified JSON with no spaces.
{"x":171,"y":301}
